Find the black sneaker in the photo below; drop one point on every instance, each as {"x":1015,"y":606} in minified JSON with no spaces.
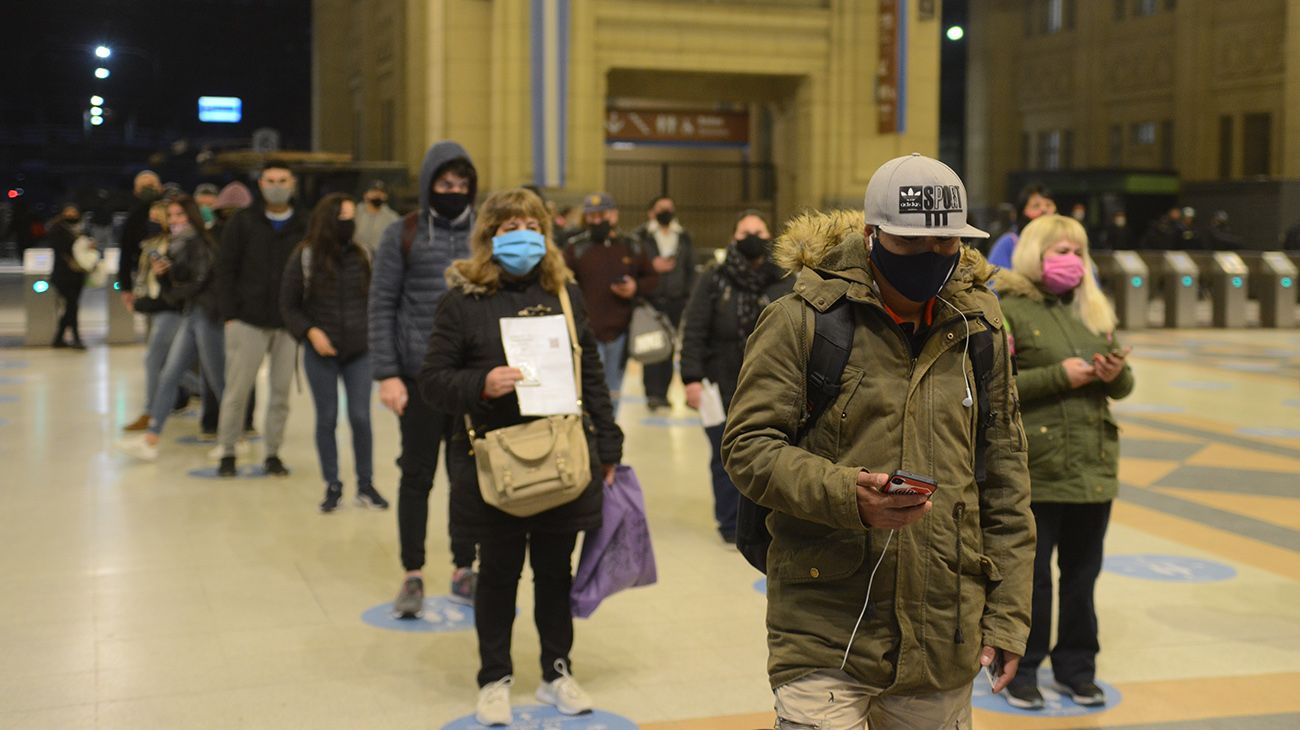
{"x":333,"y":494}
{"x":1084,"y":694}
{"x":368,"y":497}
{"x":274,"y":467}
{"x":227,"y":468}
{"x":1023,"y":694}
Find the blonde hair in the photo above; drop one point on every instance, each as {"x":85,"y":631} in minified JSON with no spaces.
{"x":481,"y":269}
{"x":1090,"y":305}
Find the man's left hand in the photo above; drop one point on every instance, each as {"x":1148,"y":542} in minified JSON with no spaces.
{"x":1010,"y":663}
{"x":664,"y":264}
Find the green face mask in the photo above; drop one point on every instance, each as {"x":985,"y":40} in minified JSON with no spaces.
{"x":208,"y":216}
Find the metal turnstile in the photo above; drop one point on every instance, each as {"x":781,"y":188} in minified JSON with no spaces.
{"x":1180,"y":290}
{"x":1128,"y":280}
{"x":1228,"y":280}
{"x":40,"y":301}
{"x":1275,"y":276}
{"x":121,"y":321}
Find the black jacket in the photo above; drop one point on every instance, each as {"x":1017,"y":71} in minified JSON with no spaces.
{"x":674,"y":286}
{"x":251,"y":263}
{"x":335,"y":302}
{"x":134,"y":230}
{"x":712,"y":346}
{"x":189,"y":281}
{"x":65,"y":275}
{"x":465,"y":346}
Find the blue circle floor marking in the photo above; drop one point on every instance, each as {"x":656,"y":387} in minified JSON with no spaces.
{"x":1169,"y":568}
{"x":248,"y":471}
{"x":12,"y":364}
{"x":441,"y":615}
{"x":760,"y":585}
{"x":1270,"y":432}
{"x":667,"y":422}
{"x":540,"y":717}
{"x":8,"y":399}
{"x":1055,"y":702}
{"x":6,"y":380}
{"x":194,"y":440}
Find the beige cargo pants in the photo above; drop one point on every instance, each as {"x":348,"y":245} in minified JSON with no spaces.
{"x":832,"y":700}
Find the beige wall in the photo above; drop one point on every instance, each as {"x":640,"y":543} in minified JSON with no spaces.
{"x":1205,"y":59}
{"x":459,"y":69}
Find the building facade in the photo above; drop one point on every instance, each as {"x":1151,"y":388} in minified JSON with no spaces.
{"x":793,"y":103}
{"x":1208,"y":90}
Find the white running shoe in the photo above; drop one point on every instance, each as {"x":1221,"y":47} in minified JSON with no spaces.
{"x":565,"y":693}
{"x":137,"y":448}
{"x":493,"y":706}
{"x":242,"y":448}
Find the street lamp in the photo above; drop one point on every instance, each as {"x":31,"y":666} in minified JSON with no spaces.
{"x":101,"y":73}
{"x":96,"y":111}
{"x":96,"y":121}
{"x":103,"y":52}
{"x":97,"y":100}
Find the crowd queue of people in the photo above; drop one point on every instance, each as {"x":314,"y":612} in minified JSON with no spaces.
{"x":988,"y":381}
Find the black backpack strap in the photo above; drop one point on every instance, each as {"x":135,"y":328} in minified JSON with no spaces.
{"x":410,"y":224}
{"x":832,"y":343}
{"x":981,"y":357}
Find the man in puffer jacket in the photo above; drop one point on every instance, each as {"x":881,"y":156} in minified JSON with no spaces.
{"x":409,"y":281}
{"x":883,"y":607}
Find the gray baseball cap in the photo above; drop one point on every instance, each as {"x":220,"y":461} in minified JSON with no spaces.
{"x":918,"y":196}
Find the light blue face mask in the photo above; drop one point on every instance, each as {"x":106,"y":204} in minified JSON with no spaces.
{"x":519,"y":251}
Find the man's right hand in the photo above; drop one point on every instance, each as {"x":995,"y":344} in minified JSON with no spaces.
{"x":392,"y":393}
{"x":1079,"y":371}
{"x":887,"y":511}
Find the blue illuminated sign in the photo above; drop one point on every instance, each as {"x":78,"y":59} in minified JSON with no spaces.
{"x":222,"y":109}
{"x":1187,"y":281}
{"x":1236,"y":282}
{"x":41,"y":286}
{"x":1137,"y":282}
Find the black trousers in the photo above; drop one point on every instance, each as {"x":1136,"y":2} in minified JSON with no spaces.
{"x":1076,"y":532}
{"x":70,"y":291}
{"x":501,"y":561}
{"x":423,"y":432}
{"x":659,"y":376}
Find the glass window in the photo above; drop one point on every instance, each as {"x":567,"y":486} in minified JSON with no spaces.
{"x":1144,"y":133}
{"x":1049,"y":149}
{"x":1142,"y":8}
{"x":1055,"y":21}
{"x":1256,"y":143}
{"x":1225,"y":146}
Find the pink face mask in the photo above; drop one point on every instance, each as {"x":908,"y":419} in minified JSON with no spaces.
{"x":1062,"y":273}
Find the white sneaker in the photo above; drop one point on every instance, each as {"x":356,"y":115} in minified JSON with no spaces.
{"x":137,"y":448}
{"x":564,"y":693}
{"x":493,"y":706}
{"x":242,"y":448}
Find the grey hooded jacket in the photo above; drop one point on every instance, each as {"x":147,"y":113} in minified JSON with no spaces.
{"x":405,"y":289}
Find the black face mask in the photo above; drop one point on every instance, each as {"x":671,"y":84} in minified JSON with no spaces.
{"x":152,"y":228}
{"x":74,"y":222}
{"x":664,"y":217}
{"x":918,"y":277}
{"x":375,"y":202}
{"x":344,"y":230}
{"x":752,"y":246}
{"x":599,"y":231}
{"x":449,"y":205}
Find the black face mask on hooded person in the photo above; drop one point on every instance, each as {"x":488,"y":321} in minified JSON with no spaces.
{"x":449,"y":205}
{"x":752,"y":246}
{"x":917,"y":277}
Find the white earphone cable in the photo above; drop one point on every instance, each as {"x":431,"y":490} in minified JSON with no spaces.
{"x":866,"y":602}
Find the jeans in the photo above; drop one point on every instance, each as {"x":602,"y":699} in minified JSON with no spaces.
{"x":162,"y":330}
{"x":323,"y":375}
{"x":246,"y":346}
{"x":611,"y":358}
{"x":726,"y":498}
{"x":197,"y":339}
{"x":1077,"y":533}
{"x":423,"y":432}
{"x":500,"y":563}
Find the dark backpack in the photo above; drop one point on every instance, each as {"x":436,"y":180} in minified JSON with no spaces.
{"x":410,"y":224}
{"x":832,"y":343}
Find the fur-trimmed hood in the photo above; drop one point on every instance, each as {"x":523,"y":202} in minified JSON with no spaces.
{"x":460,"y":281}
{"x":828,"y":252}
{"x":1008,"y":283}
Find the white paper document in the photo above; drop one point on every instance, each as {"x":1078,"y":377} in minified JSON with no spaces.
{"x":540,"y":347}
{"x":711,"y":411}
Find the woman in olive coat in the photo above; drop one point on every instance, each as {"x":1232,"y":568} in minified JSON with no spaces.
{"x":1070,"y":367}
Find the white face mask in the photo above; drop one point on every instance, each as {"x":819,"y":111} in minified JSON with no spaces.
{"x":277,"y":194}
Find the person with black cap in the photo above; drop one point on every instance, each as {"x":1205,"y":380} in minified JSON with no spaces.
{"x":612,"y":270}
{"x":408,"y":283}
{"x":902,"y":544}
{"x":374,"y":217}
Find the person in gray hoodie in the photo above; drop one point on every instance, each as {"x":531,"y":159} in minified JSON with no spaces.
{"x":408,"y":283}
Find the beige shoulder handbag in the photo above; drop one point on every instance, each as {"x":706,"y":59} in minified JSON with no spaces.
{"x":535,"y":466}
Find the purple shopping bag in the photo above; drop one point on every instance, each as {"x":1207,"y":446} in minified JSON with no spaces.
{"x":618,"y":555}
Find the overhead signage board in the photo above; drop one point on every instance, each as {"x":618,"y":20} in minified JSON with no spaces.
{"x":221,"y":109}
{"x":683,"y":127}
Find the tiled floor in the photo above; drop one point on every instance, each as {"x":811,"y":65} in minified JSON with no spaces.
{"x":136,"y":596}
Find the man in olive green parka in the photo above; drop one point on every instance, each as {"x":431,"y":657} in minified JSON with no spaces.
{"x":952,"y":575}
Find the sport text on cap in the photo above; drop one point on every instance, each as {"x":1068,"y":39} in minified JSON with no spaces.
{"x":918,"y":196}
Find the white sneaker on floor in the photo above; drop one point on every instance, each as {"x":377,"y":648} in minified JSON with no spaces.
{"x":493,"y":706}
{"x":565,"y":693}
{"x":242,"y":448}
{"x":137,"y":448}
